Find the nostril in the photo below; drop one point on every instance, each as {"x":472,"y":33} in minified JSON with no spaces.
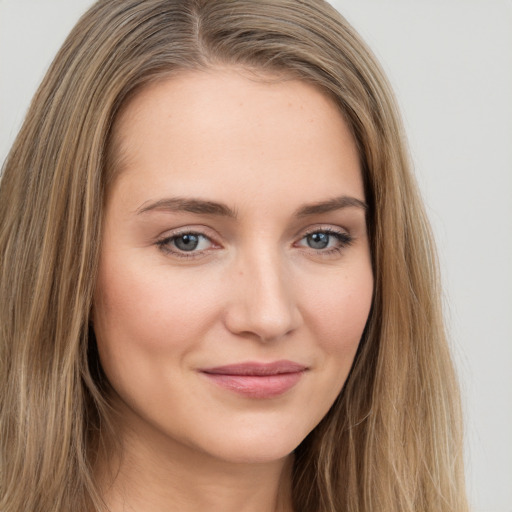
{"x":260,"y":318}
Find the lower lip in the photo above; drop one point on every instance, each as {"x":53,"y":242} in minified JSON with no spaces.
{"x":257,"y":386}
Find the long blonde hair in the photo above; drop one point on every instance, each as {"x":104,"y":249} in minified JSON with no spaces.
{"x":392,"y":441}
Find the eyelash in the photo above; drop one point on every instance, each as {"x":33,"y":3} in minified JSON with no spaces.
{"x":343,"y":238}
{"x":165,"y":243}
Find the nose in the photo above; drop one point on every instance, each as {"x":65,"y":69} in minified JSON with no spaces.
{"x":263,"y":303}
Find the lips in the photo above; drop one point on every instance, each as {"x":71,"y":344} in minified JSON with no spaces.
{"x":257,"y":380}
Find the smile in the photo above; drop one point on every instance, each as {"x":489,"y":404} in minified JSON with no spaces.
{"x":257,"y":380}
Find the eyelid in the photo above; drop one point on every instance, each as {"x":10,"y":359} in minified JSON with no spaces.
{"x":324,"y":228}
{"x":343,"y":236}
{"x":195,"y":229}
{"x":164,"y":241}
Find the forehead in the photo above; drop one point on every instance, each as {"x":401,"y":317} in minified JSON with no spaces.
{"x":224,"y":128}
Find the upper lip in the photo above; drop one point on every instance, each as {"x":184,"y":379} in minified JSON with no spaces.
{"x":257,"y":369}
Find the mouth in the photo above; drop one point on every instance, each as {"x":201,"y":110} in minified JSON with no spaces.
{"x":257,"y":380}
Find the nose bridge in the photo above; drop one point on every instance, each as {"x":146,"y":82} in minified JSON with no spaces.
{"x":264,"y":304}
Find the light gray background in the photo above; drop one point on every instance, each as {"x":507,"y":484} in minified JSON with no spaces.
{"x":450,"y":62}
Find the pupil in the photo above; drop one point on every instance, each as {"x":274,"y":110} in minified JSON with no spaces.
{"x":187,"y":242}
{"x":318,"y":240}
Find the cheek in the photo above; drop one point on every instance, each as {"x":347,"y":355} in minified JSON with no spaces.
{"x":341,"y":307}
{"x":141,"y":315}
{"x":337,"y":313}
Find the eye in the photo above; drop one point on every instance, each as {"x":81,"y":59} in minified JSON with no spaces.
{"x":189,"y":242}
{"x":326,"y":240}
{"x":318,"y":240}
{"x":186,"y":242}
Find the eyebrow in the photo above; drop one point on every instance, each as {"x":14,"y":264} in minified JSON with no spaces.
{"x":337,"y":203}
{"x":191,"y":205}
{"x":205,"y":207}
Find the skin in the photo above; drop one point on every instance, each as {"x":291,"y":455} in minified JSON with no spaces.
{"x":253,"y":290}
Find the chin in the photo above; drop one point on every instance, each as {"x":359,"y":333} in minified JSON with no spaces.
{"x":255,"y":447}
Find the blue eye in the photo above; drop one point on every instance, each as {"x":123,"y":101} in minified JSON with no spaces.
{"x":188,"y":242}
{"x":326,"y":240}
{"x":318,"y":240}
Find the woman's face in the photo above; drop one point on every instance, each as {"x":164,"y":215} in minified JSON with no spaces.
{"x":235,"y":277}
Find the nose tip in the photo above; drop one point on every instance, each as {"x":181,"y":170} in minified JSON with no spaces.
{"x":264,"y":305}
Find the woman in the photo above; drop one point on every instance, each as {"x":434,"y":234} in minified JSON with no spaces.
{"x":218,"y":284}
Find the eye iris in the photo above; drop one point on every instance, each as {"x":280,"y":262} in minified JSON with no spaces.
{"x":318,"y":240}
{"x":187,"y":242}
